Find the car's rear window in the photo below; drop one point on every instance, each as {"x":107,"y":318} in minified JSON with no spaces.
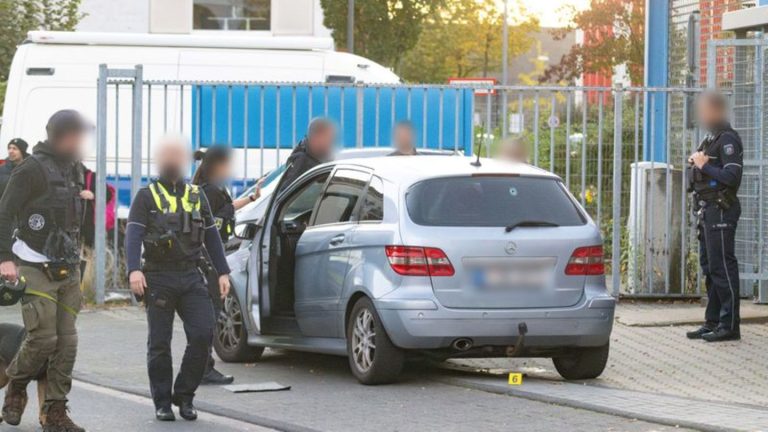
{"x":491,"y":201}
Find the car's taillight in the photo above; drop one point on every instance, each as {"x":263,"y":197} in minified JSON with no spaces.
{"x":586,"y":261}
{"x":418,"y":261}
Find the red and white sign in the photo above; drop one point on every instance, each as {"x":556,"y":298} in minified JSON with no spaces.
{"x":476,"y":82}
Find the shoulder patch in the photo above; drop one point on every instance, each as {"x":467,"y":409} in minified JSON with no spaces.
{"x":729,"y":149}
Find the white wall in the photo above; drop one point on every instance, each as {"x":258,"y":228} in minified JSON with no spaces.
{"x":125,"y":16}
{"x":289,"y":17}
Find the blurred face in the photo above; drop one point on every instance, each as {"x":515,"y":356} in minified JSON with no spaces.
{"x":404,"y":139}
{"x":221,"y":172}
{"x":14,"y":154}
{"x":710,"y":114}
{"x":321,"y":142}
{"x":71,"y":144}
{"x":172,"y":160}
{"x":514,"y":152}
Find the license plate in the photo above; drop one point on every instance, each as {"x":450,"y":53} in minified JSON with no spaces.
{"x":510,"y":274}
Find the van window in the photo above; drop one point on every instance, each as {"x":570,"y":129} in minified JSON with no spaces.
{"x":490,"y":201}
{"x":341,"y":197}
{"x":373,"y":206}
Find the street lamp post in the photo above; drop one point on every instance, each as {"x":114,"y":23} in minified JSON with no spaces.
{"x":504,"y":69}
{"x":351,"y":26}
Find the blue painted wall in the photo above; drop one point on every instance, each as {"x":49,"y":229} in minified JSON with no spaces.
{"x":213,"y":124}
{"x":656,"y":75}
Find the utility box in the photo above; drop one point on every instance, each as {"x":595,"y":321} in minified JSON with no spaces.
{"x":655,"y":231}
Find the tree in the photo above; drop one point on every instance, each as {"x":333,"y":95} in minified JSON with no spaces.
{"x":463,"y":38}
{"x":17,"y":17}
{"x":613,"y":35}
{"x":384,"y":29}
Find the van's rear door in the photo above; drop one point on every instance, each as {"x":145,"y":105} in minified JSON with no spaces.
{"x":509,"y":239}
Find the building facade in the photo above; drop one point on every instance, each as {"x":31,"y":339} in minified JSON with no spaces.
{"x":263,"y":17}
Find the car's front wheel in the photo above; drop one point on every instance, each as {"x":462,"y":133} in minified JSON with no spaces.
{"x":373,"y":358}
{"x":231,"y":337}
{"x":582,"y":363}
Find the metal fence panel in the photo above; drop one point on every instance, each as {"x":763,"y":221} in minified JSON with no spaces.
{"x":590,"y":136}
{"x":738,"y":66}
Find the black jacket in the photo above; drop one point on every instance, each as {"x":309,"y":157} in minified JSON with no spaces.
{"x":300,"y":161}
{"x":5,"y":174}
{"x":142,"y":209}
{"x":28,"y":181}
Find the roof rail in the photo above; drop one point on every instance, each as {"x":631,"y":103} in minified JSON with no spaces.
{"x":194,"y":40}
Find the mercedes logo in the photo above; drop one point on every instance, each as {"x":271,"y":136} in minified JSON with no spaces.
{"x":511,"y":248}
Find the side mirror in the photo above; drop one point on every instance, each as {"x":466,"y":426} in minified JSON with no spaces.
{"x":247,"y":231}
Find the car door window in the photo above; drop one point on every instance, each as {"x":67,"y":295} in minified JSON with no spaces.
{"x":341,"y":197}
{"x":298,"y":207}
{"x":373,"y":206}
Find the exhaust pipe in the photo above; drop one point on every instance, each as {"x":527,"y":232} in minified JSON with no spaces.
{"x":462,"y":344}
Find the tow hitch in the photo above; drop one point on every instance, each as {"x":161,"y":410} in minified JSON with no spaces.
{"x":517,"y":349}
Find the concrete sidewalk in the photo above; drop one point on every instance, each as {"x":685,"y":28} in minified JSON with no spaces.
{"x":650,"y":354}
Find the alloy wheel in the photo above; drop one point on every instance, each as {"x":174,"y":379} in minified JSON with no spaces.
{"x":364,"y":340}
{"x":230,"y":324}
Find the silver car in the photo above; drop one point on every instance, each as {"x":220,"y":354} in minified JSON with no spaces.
{"x":378,"y":258}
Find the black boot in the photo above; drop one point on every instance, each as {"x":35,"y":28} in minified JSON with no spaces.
{"x":214,"y":377}
{"x":187,"y":410}
{"x":165,"y":414}
{"x":722,"y":334}
{"x":697,"y":334}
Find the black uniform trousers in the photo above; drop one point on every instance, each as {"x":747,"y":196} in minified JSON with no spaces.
{"x":717,"y":231}
{"x":185,"y":293}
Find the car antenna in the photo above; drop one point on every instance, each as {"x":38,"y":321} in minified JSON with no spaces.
{"x":477,"y":163}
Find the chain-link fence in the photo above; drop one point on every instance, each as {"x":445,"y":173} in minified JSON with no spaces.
{"x":591,"y":136}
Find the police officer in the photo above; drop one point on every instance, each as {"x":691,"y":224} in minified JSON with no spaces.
{"x":173,"y":221}
{"x":404,"y":139}
{"x":714,"y":179}
{"x":43,"y":201}
{"x":17,"y":152}
{"x":212,"y":176}
{"x":315,"y":149}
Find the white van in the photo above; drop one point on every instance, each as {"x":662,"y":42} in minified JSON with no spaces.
{"x":58,"y":70}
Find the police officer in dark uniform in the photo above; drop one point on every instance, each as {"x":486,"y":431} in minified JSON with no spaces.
{"x":212,"y":176}
{"x":173,"y":221}
{"x":43,"y":205}
{"x":714,"y":179}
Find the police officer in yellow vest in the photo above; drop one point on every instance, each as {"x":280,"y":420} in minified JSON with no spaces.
{"x":173,"y":222}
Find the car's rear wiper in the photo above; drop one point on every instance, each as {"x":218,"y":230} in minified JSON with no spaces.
{"x":530,"y":223}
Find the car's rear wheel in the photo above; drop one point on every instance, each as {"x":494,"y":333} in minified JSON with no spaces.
{"x":582,"y":363}
{"x":373,"y":358}
{"x":231,"y":340}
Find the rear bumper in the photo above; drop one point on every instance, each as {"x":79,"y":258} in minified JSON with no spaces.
{"x":423,"y":324}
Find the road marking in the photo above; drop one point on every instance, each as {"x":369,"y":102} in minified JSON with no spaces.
{"x":213,"y":418}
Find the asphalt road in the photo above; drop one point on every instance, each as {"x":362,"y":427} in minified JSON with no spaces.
{"x":323,"y":396}
{"x":100,"y":409}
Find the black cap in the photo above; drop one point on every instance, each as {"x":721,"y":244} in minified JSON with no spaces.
{"x":19,"y":144}
{"x":65,"y":122}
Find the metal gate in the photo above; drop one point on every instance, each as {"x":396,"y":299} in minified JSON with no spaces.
{"x":593,"y":137}
{"x":739,"y":67}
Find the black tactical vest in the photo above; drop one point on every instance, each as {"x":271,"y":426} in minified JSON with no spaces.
{"x":50,"y":223}
{"x":176,"y":231}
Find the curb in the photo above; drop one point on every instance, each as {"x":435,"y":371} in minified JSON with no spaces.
{"x":572,"y":403}
{"x":680,"y":323}
{"x":206,"y":407}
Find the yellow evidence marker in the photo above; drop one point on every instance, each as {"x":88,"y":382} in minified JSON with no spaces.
{"x":515,"y":378}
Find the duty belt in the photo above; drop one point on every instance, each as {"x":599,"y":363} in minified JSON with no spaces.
{"x":154,"y":267}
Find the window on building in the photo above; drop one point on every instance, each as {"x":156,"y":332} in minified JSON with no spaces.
{"x":242,"y":15}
